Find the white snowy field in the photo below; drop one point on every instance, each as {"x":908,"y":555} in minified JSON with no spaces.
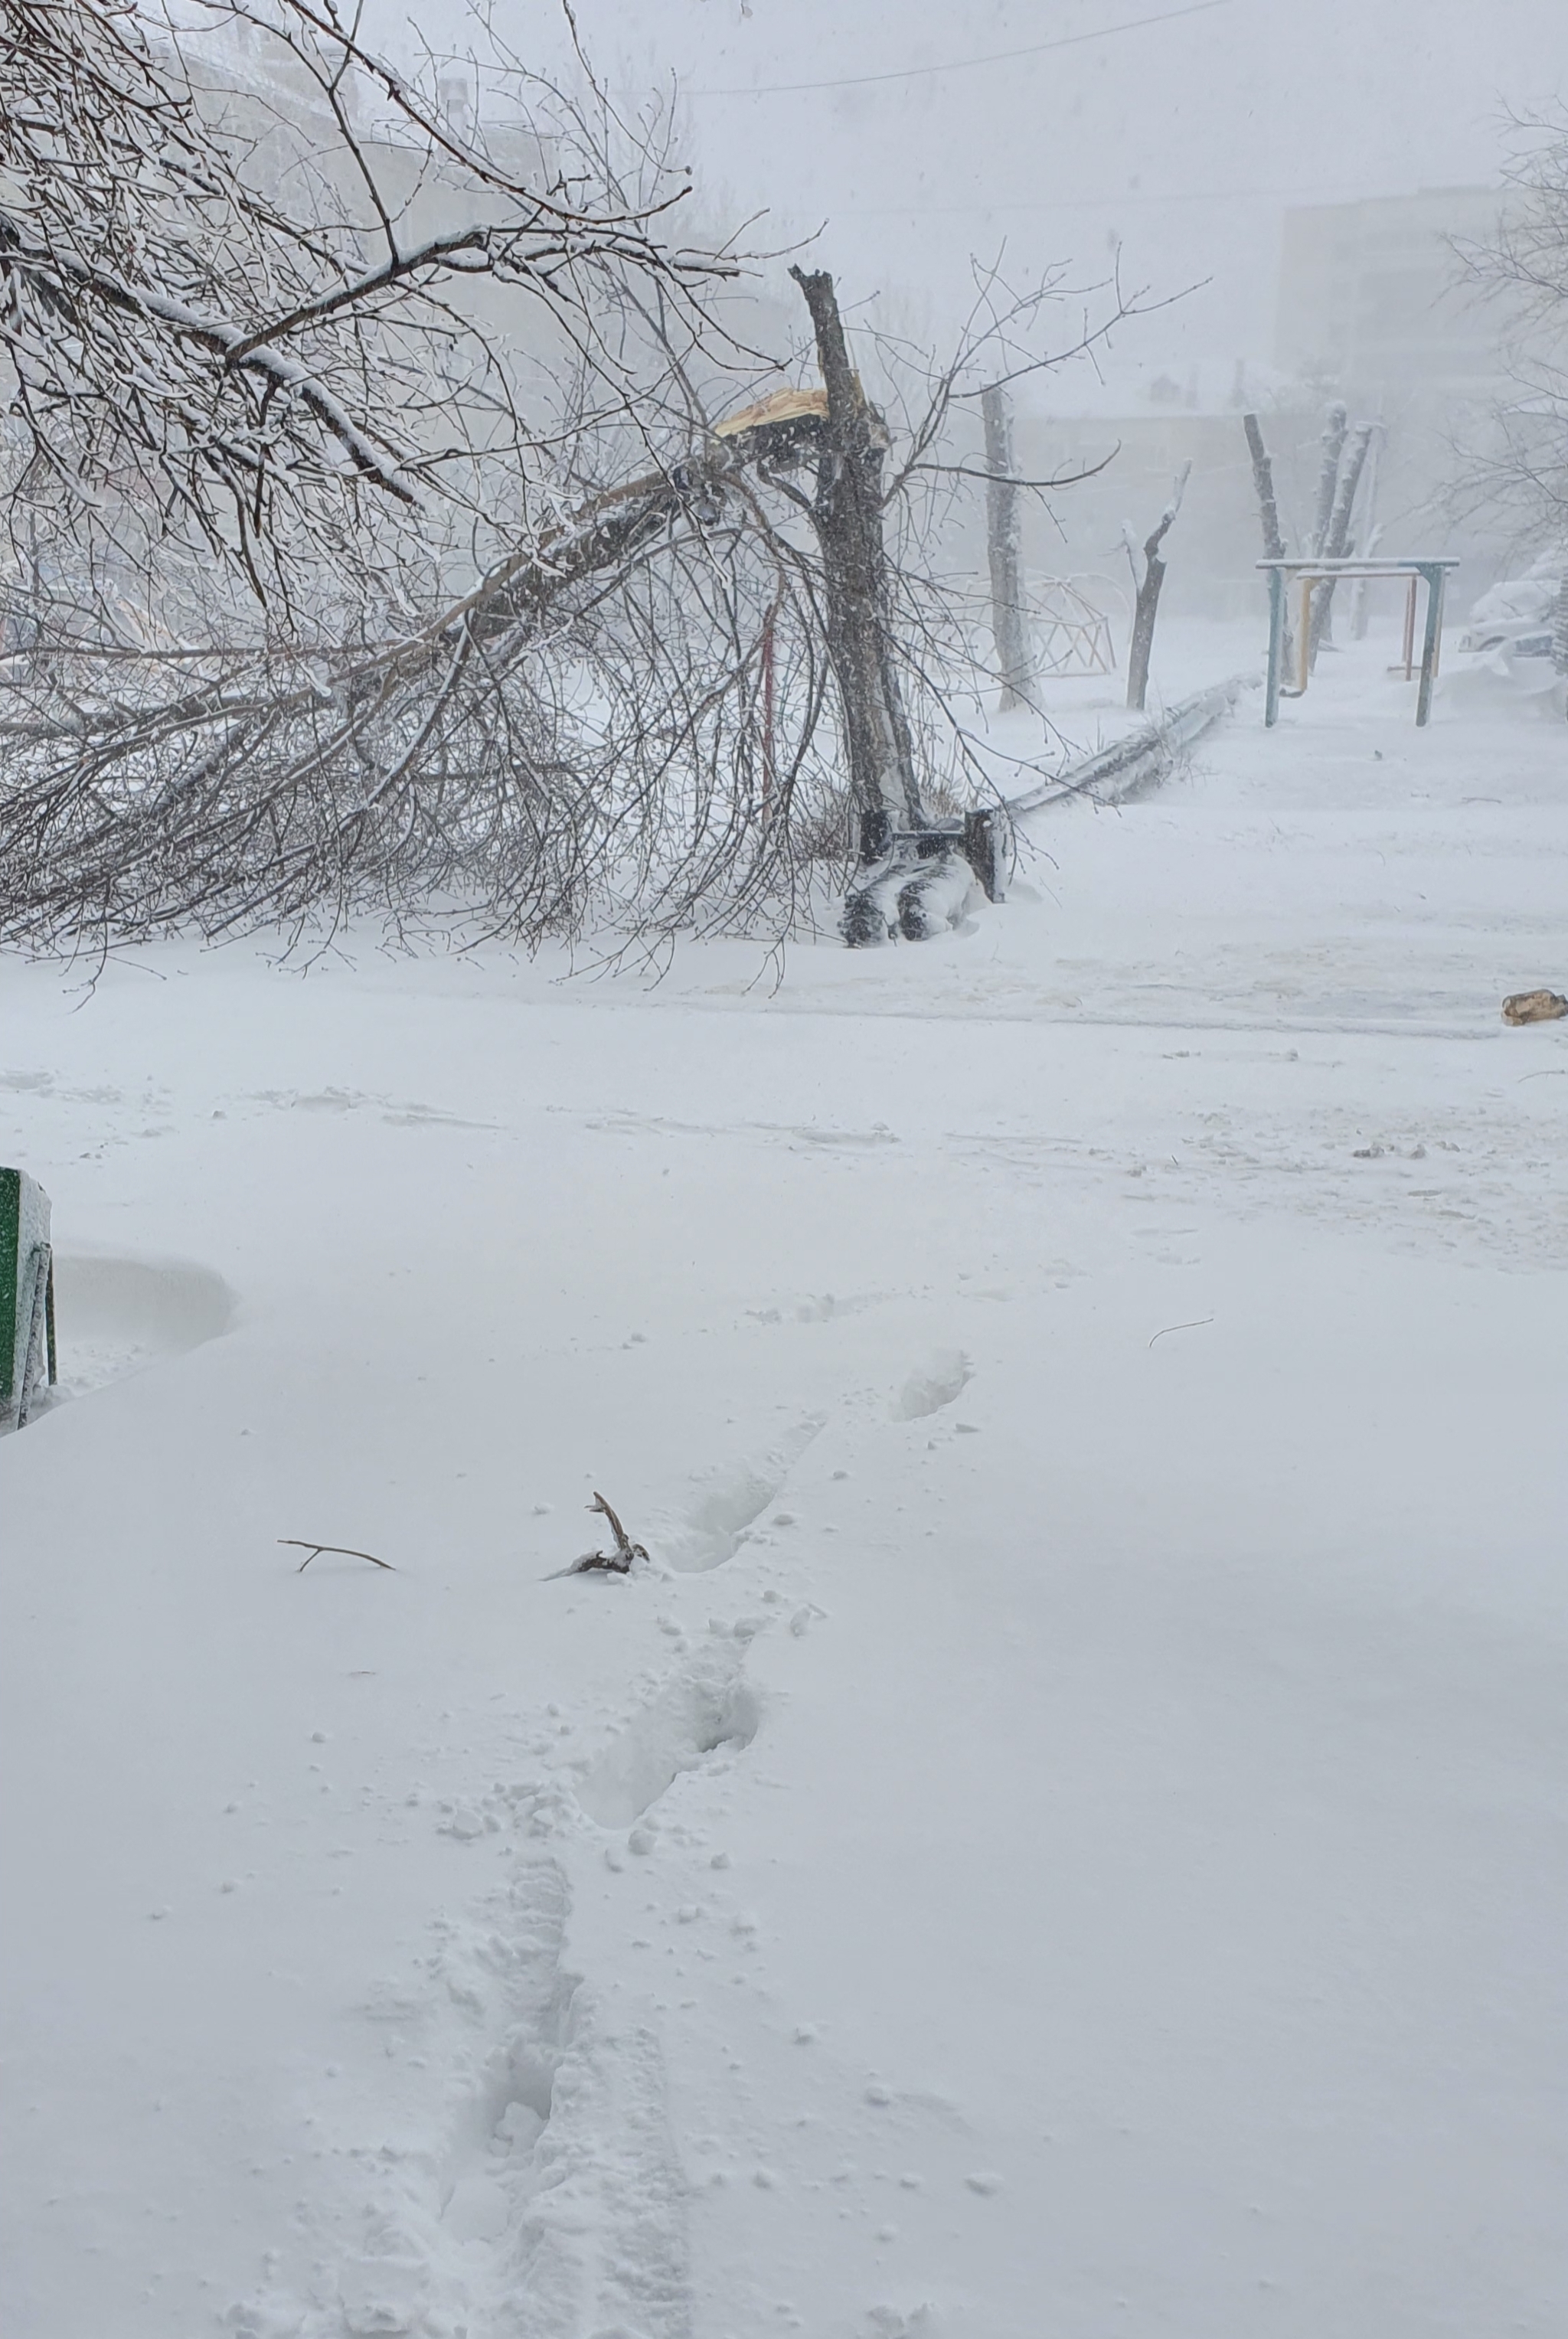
{"x":1066,"y":1838}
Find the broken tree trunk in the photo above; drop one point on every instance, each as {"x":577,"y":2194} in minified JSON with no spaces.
{"x":1267,"y":509}
{"x":1337,"y":541}
{"x":846,"y":515}
{"x":1147,"y":606}
{"x":1009,"y":626}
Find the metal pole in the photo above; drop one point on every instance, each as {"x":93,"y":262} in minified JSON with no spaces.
{"x":1410,"y":629}
{"x":1276,"y":644}
{"x":1436,"y":579}
{"x":25,"y":1282}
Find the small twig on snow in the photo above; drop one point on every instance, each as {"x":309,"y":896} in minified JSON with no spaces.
{"x":1197,"y":1325}
{"x":314,"y":1550}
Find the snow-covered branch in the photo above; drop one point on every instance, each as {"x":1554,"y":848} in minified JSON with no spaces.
{"x":226,"y":306}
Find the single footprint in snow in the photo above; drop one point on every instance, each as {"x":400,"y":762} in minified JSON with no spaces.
{"x":479,"y":2210}
{"x":731,"y":1502}
{"x":942,"y":1379}
{"x":701,"y":1709}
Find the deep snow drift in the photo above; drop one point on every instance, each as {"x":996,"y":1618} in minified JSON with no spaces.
{"x":1066,"y":1837}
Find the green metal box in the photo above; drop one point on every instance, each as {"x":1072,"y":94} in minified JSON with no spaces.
{"x":26,"y":1296}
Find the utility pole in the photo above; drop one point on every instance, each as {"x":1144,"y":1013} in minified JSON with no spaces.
{"x":1008,"y":623}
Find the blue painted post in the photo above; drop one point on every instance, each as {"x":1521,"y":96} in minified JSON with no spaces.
{"x":1437,"y":579}
{"x":1275,"y":646}
{"x":26,"y":1295}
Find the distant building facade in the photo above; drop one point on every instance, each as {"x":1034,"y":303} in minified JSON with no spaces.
{"x":1373,"y":303}
{"x":1373,"y":308}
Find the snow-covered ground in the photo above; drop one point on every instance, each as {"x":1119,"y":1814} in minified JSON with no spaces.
{"x":1067,"y":1836}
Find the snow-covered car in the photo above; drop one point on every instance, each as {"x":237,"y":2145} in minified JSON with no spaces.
{"x":1511,"y":631}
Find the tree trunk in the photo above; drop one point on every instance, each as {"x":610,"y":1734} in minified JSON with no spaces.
{"x":1013,"y":662}
{"x":1335,"y":427}
{"x":846,"y":514}
{"x":1267,"y":509}
{"x":1369,"y":532}
{"x":1147,"y":606}
{"x":1338,"y":537}
{"x":1145,"y":610}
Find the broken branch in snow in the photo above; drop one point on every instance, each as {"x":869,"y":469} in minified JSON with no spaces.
{"x":314,"y":1550}
{"x":604,"y":1563}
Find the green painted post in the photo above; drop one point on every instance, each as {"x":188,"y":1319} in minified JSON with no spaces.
{"x":1275,"y":646}
{"x":1436,"y":576}
{"x":26,"y":1295}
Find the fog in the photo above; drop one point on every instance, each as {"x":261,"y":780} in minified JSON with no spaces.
{"x":783,"y":1231}
{"x":1182,"y":137}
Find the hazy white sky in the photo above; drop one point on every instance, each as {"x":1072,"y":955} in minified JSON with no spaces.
{"x":1183,"y":139}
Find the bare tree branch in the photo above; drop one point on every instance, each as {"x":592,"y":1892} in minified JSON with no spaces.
{"x":591,"y":682}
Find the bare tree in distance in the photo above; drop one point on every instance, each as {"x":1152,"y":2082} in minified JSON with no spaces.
{"x":1335,"y":428}
{"x":1336,"y":544}
{"x":1344,"y":452}
{"x":1002,"y":538}
{"x":1521,"y":475}
{"x":1147,"y":590}
{"x":1267,"y":505}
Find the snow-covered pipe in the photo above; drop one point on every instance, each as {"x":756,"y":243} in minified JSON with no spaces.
{"x":1142,"y":759}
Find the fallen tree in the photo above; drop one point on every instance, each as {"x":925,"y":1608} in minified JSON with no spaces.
{"x":702,"y":661}
{"x":273,"y":784}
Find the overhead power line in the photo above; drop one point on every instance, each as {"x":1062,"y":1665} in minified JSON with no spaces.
{"x":1288,"y":196}
{"x":963,"y":65}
